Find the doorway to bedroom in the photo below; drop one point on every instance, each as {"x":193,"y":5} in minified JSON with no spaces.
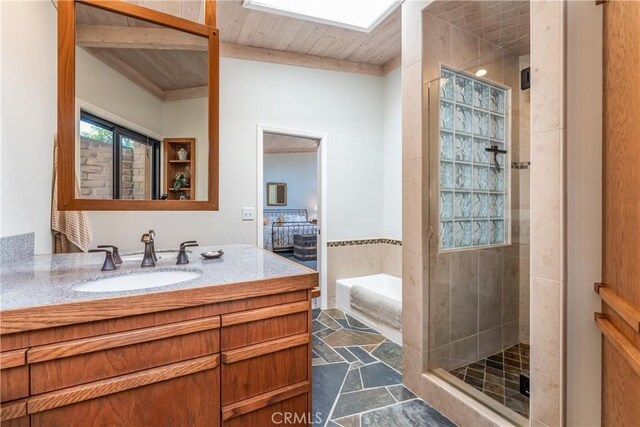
{"x":290,"y":199}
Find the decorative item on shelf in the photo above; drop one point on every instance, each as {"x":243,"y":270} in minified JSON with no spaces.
{"x":178,"y":181}
{"x":182,"y":154}
{"x":187,"y":176}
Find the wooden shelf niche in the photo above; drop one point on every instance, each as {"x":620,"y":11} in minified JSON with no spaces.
{"x":173,"y":165}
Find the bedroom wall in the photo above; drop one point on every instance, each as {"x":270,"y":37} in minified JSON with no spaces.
{"x":300,"y":172}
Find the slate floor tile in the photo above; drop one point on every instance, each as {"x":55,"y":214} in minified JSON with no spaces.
{"x":379,"y":374}
{"x":352,"y":382}
{"x":324,"y":333}
{"x":327,"y":380}
{"x":348,"y":337}
{"x":317,"y":326}
{"x":350,"y":421}
{"x":328,"y":321}
{"x":407,"y":414}
{"x":401,"y":393}
{"x":346,"y":354}
{"x":360,"y":401}
{"x":335,"y":313}
{"x":315,"y":313}
{"x":390,"y":353}
{"x":325,"y":351}
{"x":362,"y":355}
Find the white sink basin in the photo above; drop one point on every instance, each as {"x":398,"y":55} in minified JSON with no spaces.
{"x":129,"y":282}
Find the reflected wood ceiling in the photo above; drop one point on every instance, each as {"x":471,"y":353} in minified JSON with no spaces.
{"x":276,"y":143}
{"x":505,"y":23}
{"x":168,"y":63}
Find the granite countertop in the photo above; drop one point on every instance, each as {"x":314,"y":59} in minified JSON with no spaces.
{"x":49,"y":279}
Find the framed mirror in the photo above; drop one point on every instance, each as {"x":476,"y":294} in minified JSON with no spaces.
{"x":276,"y":194}
{"x":138,"y":108}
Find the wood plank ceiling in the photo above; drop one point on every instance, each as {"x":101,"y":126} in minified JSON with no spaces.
{"x":275,"y":143}
{"x":252,"y":34}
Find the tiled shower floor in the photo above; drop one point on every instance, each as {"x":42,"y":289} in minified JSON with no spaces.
{"x":498,"y":377}
{"x":357,"y":378}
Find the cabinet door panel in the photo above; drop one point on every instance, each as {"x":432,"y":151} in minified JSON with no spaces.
{"x":14,"y":375}
{"x":60,"y":373}
{"x":290,"y":412}
{"x":256,"y":375}
{"x":190,"y":400}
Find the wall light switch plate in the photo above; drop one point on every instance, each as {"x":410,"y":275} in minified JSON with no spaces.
{"x":248,"y":214}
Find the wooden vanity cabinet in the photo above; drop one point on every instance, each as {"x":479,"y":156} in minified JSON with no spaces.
{"x":232,"y":363}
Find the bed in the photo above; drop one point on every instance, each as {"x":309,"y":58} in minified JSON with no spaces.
{"x":280,"y":225}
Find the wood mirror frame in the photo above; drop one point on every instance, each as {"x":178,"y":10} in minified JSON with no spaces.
{"x":67,"y":199}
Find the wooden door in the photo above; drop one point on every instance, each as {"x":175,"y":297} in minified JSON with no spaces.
{"x":620,"y":322}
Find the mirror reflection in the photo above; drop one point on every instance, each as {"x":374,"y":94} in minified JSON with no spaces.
{"x":141,"y":109}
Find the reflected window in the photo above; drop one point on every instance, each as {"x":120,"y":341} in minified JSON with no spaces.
{"x":116,"y":162}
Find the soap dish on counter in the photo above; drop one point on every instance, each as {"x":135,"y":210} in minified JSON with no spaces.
{"x":212,"y":254}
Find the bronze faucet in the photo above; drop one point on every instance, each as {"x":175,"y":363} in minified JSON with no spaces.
{"x":182,"y":255}
{"x":152,"y":235}
{"x":148,"y":259}
{"x":108,"y":264}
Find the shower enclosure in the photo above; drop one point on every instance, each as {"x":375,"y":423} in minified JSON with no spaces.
{"x":478,"y":127}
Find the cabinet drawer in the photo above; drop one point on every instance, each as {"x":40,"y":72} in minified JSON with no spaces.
{"x":253,"y":370}
{"x":264,"y":324}
{"x":82,"y":361}
{"x":181,"y":394}
{"x":290,"y":412}
{"x":14,"y":375}
{"x":14,"y":414}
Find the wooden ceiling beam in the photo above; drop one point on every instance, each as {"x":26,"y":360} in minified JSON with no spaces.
{"x":186,"y":93}
{"x":231,"y":50}
{"x":114,"y":37}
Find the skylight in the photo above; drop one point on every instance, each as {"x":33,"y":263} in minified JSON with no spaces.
{"x":360,"y":15}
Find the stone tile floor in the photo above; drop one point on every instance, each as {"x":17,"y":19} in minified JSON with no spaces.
{"x":498,"y":376}
{"x":357,"y":377}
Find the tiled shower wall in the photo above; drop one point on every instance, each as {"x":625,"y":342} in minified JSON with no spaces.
{"x":474,"y":295}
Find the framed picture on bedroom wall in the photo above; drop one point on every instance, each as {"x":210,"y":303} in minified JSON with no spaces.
{"x":276,"y":194}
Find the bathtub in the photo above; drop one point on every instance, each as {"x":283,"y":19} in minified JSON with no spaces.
{"x":382,"y":284}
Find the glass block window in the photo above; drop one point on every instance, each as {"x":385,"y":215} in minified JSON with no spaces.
{"x":473,"y":193}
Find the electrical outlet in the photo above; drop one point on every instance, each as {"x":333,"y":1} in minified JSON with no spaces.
{"x":248,"y":214}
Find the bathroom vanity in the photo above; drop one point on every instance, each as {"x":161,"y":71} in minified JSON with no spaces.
{"x":230,"y":347}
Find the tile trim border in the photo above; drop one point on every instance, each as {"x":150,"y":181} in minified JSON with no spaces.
{"x":360,"y":242}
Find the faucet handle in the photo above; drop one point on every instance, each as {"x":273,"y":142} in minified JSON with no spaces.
{"x":116,"y":253}
{"x":152,"y":235}
{"x":182,"y":254}
{"x":108,"y":264}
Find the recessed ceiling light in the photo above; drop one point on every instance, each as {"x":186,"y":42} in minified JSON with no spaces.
{"x":481,"y":72}
{"x":360,"y":15}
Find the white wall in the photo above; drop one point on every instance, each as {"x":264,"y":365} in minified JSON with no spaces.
{"x":28,"y":124}
{"x":300,"y":172}
{"x":392,"y":156}
{"x":102,"y":86}
{"x":584,"y":210}
{"x":348,"y":107}
{"x":187,"y":118}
